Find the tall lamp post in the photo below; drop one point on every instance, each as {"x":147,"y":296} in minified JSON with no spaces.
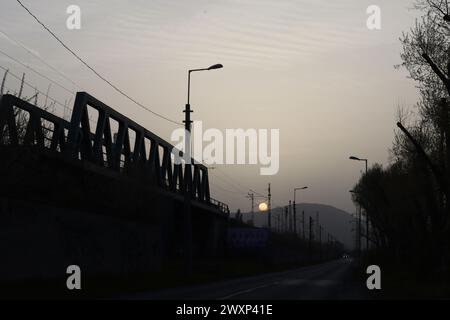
{"x":296,"y":189}
{"x":295,"y":209}
{"x":359,"y":159}
{"x":367,"y":218}
{"x":188,"y":172}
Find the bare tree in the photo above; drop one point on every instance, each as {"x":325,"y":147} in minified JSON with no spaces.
{"x":22,"y":117}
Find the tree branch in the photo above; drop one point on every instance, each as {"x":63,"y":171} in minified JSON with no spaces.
{"x":437,"y":174}
{"x":437,"y":71}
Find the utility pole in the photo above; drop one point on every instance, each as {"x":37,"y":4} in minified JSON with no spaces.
{"x":251,"y":196}
{"x":354,"y":229}
{"x":317,"y":220}
{"x":367,"y":217}
{"x":367,"y":232}
{"x":310,"y":237}
{"x":187,"y":189}
{"x":269,"y":216}
{"x":320,"y":241}
{"x":295,"y":213}
{"x":290,"y":216}
{"x":278,"y":221}
{"x":359,"y":232}
{"x":328,"y":244}
{"x":358,"y":227}
{"x":303,"y":224}
{"x":285,"y":219}
{"x":295,"y":219}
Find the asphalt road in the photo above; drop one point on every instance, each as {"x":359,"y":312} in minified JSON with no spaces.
{"x":331,"y":280}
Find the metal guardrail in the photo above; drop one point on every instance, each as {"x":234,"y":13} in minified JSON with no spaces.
{"x":150,"y":155}
{"x":220,"y":205}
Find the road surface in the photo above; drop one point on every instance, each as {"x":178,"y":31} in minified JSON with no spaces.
{"x":331,"y":280}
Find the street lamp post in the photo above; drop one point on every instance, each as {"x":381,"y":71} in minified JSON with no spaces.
{"x":296,"y":189}
{"x":188,"y":172}
{"x":359,"y":159}
{"x":295,"y":209}
{"x":367,"y":217}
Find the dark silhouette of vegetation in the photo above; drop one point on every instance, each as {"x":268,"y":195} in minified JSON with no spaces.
{"x":22,"y":117}
{"x":408,"y":202}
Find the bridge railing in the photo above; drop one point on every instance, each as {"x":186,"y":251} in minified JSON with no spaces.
{"x":99,"y":134}
{"x":220,"y":205}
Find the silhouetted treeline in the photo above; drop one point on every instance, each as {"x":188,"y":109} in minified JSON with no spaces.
{"x":408,"y":202}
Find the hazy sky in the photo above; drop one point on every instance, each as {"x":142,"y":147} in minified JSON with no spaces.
{"x":310,"y":68}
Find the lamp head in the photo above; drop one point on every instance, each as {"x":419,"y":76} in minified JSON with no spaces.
{"x":216,"y":66}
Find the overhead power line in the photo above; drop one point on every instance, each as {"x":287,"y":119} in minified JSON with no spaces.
{"x":20,"y":79}
{"x":234,"y":184}
{"x":93,"y":70}
{"x":40,"y":59}
{"x":224,"y":189}
{"x":37,"y":72}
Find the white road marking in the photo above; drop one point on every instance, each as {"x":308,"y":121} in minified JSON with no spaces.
{"x":318,"y":283}
{"x":247,"y":291}
{"x":287,"y":282}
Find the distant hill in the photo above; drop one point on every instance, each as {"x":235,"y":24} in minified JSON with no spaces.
{"x":335,"y":221}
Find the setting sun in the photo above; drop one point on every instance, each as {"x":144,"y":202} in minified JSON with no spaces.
{"x":262,"y":206}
